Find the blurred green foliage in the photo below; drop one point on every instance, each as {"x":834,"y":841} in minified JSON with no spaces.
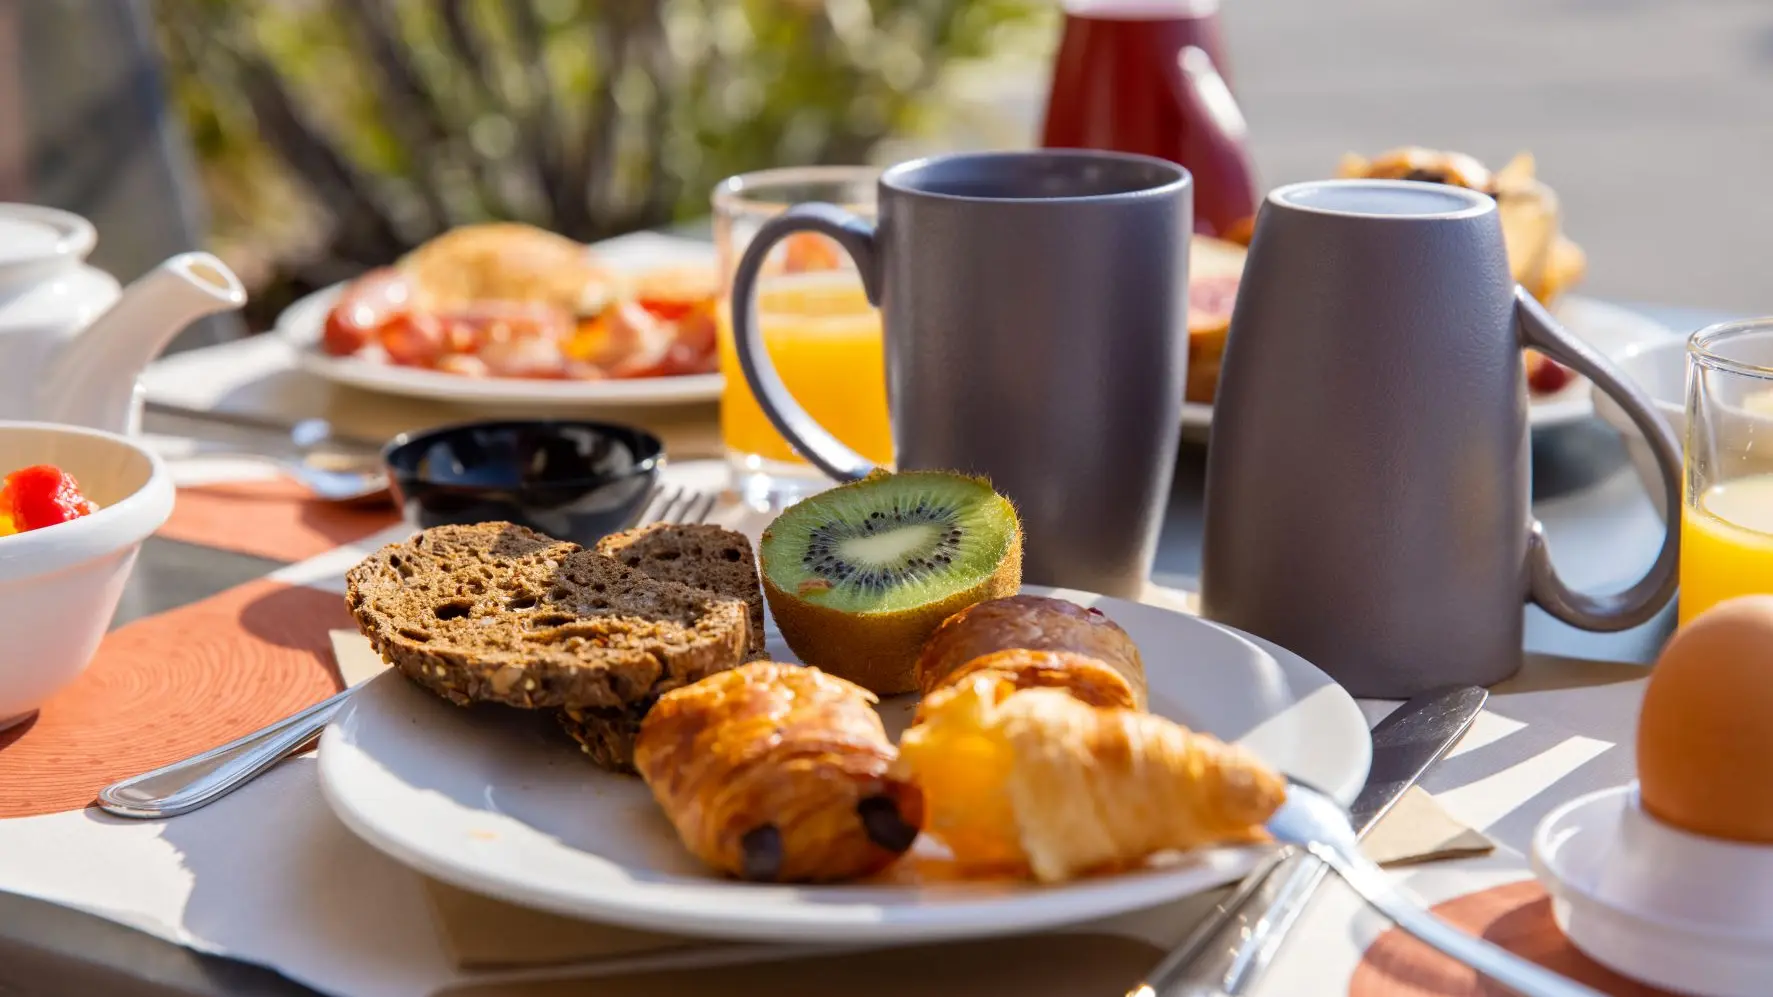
{"x":333,"y":135}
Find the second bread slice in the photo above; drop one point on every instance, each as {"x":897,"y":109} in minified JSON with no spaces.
{"x":699,"y":555}
{"x":499,"y":613}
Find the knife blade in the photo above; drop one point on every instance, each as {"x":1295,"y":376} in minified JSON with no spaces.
{"x":1240,"y":937}
{"x":1408,"y":742}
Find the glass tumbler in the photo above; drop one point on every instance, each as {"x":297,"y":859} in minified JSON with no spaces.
{"x":1727,"y":521}
{"x":822,"y":333}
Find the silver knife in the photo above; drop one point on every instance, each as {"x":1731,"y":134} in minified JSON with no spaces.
{"x":1236,"y":942}
{"x":285,"y":432}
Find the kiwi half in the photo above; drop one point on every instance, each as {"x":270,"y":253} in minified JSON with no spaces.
{"x":858,"y":577}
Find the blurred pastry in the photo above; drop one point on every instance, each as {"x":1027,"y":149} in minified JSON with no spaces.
{"x":1424,"y":165}
{"x":507,"y":262}
{"x":778,"y":772}
{"x":1541,"y":258}
{"x":1037,"y":641}
{"x":1035,"y":781}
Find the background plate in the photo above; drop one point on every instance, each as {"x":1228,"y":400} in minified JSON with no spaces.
{"x":302,"y":322}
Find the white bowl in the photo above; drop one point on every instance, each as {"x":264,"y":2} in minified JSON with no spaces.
{"x":1660,"y":369}
{"x":1658,"y":904}
{"x":59,"y":585}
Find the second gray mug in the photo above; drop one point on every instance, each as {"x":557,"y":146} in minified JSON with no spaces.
{"x":1035,"y":308}
{"x":1369,"y":481}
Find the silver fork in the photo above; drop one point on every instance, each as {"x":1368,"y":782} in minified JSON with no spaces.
{"x":678,"y":505}
{"x":202,"y":779}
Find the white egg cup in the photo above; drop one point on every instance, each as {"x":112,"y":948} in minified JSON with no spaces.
{"x":1655,"y":903}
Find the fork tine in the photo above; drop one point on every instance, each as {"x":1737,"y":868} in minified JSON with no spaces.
{"x":643,"y":516}
{"x":656,"y":505}
{"x":671,"y":511}
{"x":700,"y":507}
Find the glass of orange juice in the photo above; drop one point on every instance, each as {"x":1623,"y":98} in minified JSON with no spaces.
{"x":1727,"y":521}
{"x":822,"y":333}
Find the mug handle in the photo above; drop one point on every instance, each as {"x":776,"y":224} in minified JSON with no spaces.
{"x":801,"y":430}
{"x":1635,"y":605}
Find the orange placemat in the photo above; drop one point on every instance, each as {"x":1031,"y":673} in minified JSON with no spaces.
{"x":1517,"y":917}
{"x":275,"y":519}
{"x":168,"y":686}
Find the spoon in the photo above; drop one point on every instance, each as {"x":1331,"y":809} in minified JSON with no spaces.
{"x":332,"y":476}
{"x":1315,"y":823}
{"x":333,"y":467}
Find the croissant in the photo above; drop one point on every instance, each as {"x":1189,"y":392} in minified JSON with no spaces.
{"x":1416,"y":163}
{"x":1038,"y":623}
{"x":778,"y":772}
{"x":1019,"y":781}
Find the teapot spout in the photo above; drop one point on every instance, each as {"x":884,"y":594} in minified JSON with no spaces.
{"x":93,"y":380}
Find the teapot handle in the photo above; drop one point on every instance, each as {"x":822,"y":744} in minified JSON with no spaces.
{"x":1643,"y":600}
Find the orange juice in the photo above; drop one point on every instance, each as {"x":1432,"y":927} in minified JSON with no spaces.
{"x":1727,"y":544}
{"x":825,"y":340}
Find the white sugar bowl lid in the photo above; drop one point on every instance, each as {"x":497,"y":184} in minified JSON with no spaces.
{"x":1661,"y":905}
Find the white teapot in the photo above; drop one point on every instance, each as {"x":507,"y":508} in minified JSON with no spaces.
{"x":72,"y":343}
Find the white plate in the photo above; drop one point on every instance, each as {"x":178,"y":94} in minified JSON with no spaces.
{"x":498,"y":802}
{"x":301,"y":325}
{"x":1608,"y":328}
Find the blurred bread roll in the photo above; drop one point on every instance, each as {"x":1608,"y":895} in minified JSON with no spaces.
{"x":506,"y":261}
{"x":1540,"y":257}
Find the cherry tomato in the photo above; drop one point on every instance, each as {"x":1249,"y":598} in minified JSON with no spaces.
{"x":43,"y":495}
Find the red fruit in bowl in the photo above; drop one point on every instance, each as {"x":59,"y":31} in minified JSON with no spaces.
{"x":43,"y":495}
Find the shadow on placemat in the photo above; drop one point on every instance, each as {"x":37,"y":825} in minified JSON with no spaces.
{"x":1067,"y":965}
{"x":482,"y":933}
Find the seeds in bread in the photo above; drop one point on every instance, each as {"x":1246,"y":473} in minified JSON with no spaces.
{"x":499,"y":613}
{"x":699,"y":555}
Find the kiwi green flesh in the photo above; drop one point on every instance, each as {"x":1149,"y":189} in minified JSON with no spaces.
{"x":889,"y":543}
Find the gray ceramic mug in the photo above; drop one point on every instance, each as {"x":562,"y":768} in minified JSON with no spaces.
{"x":1368,"y":484}
{"x":1035,"y":315}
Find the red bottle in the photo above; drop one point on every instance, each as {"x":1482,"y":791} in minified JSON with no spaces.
{"x":1149,"y":76}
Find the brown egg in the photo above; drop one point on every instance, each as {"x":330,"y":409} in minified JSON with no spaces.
{"x":1705,"y":738}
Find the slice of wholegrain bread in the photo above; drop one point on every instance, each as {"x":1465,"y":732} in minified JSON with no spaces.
{"x":699,"y":555}
{"x":499,"y":613}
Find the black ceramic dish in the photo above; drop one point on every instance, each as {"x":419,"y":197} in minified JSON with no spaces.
{"x":572,"y":480}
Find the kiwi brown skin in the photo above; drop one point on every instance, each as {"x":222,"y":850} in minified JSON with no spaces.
{"x":879,"y":651}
